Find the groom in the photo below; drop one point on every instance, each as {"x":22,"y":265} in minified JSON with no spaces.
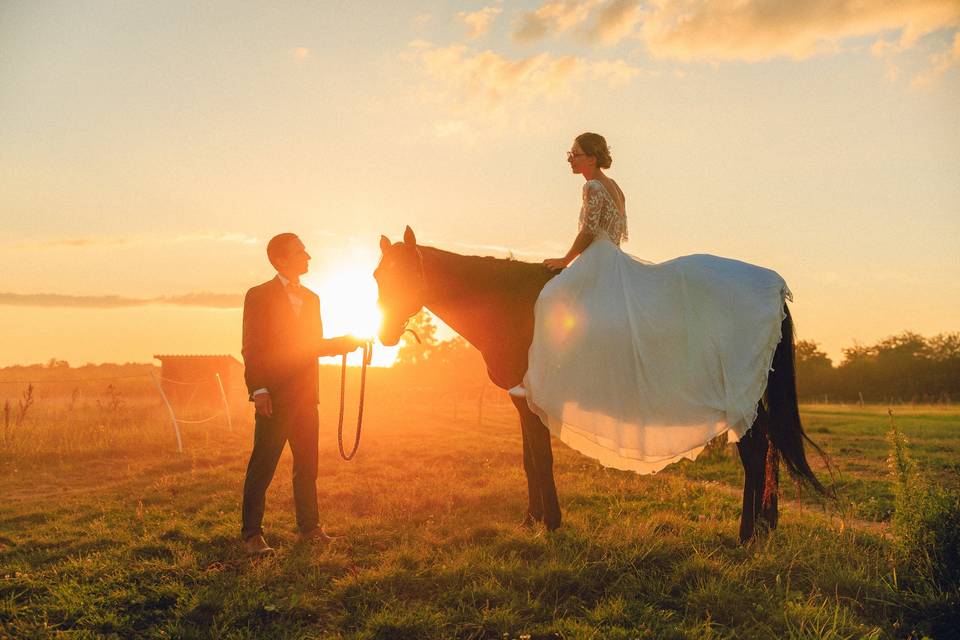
{"x":282,"y":338}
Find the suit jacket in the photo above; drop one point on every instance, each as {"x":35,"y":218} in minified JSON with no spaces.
{"x":280,"y":350}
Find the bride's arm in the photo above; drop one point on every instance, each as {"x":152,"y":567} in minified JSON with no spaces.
{"x":581,"y":242}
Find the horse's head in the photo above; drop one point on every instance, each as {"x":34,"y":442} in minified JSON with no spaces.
{"x":401,"y":285}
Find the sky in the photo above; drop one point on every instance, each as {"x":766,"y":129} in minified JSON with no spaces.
{"x":149,"y":150}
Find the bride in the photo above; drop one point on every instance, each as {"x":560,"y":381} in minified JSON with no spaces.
{"x":639,"y":365}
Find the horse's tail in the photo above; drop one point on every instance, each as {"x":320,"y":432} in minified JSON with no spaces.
{"x":785,"y":430}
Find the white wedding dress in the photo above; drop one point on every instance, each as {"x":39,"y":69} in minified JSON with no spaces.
{"x":638,"y":365}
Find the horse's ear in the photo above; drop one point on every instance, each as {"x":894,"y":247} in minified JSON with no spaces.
{"x":408,"y":237}
{"x":384,"y":244}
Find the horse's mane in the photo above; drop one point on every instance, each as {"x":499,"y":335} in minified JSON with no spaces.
{"x":510,"y":276}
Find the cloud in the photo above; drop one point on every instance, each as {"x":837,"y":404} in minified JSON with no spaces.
{"x":939,"y":64}
{"x":753,"y":30}
{"x":200,"y":299}
{"x":75,"y":243}
{"x":95,"y":242}
{"x":553,"y":16}
{"x":478,"y":22}
{"x":463,"y":77}
{"x":887,"y":52}
{"x":491,"y":78}
{"x":615,"y":21}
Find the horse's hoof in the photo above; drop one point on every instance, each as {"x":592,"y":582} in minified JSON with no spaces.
{"x":529,"y":520}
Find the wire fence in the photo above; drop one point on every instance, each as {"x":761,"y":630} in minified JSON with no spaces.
{"x":158,"y":383}
{"x":205,"y":400}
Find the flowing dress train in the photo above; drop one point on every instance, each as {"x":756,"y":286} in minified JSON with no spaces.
{"x":638,"y":365}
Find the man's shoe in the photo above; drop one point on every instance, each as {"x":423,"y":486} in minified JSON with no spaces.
{"x":257,"y":546}
{"x":317,"y":534}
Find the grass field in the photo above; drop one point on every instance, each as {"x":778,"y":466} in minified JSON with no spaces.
{"x":106,"y":531}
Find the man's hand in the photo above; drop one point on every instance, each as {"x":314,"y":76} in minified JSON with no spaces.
{"x":350,"y":343}
{"x":264,"y":404}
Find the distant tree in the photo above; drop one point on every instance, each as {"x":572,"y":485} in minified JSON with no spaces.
{"x":944,"y":346}
{"x":858,"y":353}
{"x":413,"y":352}
{"x":944,"y":354}
{"x":807,"y":352}
{"x":902,"y":364}
{"x":815,"y":373}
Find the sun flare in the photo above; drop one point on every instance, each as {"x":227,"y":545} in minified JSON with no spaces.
{"x":348,"y":303}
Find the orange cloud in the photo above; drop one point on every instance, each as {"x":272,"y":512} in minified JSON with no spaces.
{"x":754,"y":30}
{"x":615,"y":21}
{"x":488,"y":79}
{"x":478,"y":22}
{"x":553,"y":16}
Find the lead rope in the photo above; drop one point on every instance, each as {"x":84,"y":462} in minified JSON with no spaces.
{"x":367,"y":356}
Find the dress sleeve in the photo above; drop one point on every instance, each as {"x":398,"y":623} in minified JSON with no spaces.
{"x":592,"y":211}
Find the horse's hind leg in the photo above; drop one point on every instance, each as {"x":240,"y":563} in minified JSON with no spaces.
{"x":769,"y":487}
{"x":753,"y":449}
{"x":536,"y":440}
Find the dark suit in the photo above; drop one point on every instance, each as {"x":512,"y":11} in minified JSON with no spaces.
{"x":280,"y":354}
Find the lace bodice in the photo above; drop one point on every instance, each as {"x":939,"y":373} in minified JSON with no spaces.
{"x":600,"y":213}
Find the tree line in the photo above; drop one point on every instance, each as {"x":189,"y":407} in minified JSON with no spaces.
{"x":906,"y":367}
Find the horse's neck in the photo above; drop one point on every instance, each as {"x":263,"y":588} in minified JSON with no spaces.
{"x":489,"y":302}
{"x":462,"y":292}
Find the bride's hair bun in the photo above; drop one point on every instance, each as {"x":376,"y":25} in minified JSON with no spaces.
{"x":594,"y":144}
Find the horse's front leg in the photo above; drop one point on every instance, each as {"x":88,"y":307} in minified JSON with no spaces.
{"x":534,"y":499}
{"x":542,"y":489}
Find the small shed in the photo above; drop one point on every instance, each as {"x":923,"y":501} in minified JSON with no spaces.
{"x":190,"y":381}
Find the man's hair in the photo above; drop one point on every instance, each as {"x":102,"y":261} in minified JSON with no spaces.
{"x":278,"y":246}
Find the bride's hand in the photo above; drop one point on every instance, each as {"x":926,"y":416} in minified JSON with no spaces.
{"x":555,"y":264}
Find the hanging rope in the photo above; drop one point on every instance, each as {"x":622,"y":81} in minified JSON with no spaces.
{"x":367,"y":356}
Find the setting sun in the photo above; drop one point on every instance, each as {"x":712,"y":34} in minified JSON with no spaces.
{"x":348,"y":300}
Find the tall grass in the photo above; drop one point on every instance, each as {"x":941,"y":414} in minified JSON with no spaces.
{"x":926,"y":519}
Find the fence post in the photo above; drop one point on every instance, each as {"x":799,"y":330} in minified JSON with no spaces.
{"x":226,"y":405}
{"x":173,"y":417}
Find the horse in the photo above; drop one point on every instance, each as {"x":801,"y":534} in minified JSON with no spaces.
{"x":490,"y":302}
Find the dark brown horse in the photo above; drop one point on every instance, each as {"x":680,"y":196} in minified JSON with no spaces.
{"x":490,"y":302}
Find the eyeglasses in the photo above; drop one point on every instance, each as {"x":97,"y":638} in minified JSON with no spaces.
{"x":571,"y":155}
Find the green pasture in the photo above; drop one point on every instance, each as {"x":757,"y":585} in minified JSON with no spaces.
{"x":106,"y":531}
